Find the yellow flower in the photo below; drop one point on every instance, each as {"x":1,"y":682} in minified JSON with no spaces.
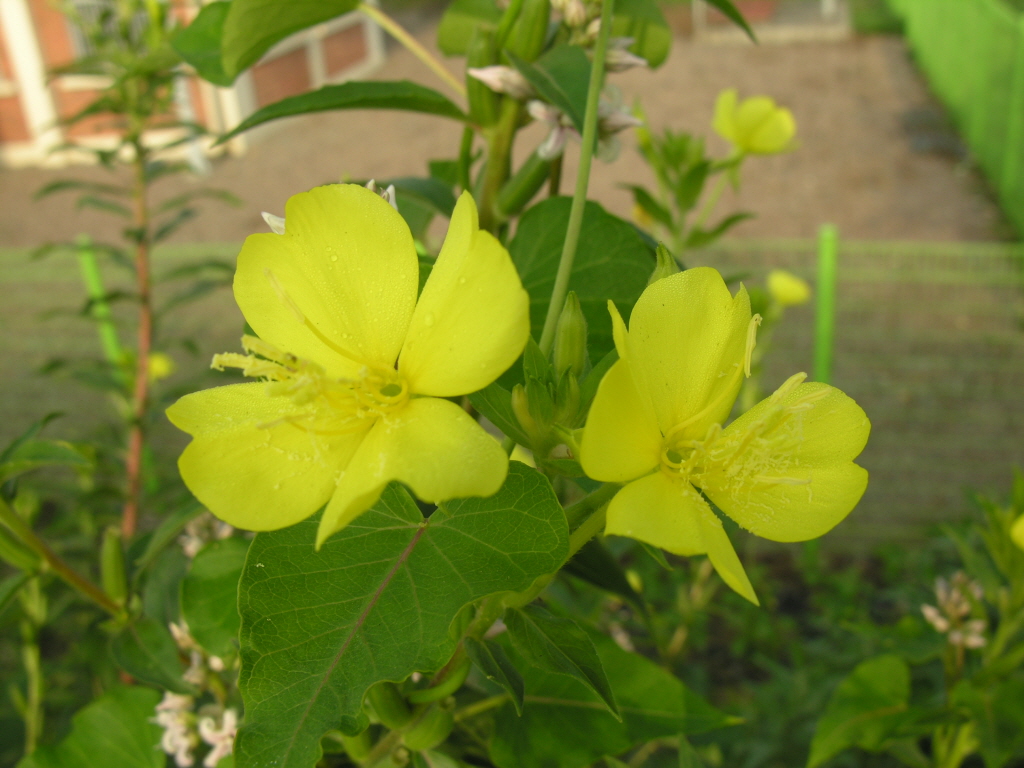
{"x":757,"y":126}
{"x":1017,"y":532}
{"x":354,"y":369}
{"x":160,"y":366}
{"x":787,"y":289}
{"x":784,"y":470}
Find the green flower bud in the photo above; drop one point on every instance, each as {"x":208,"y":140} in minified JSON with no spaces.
{"x":390,"y":706}
{"x":483,"y":102}
{"x":15,"y":553}
{"x":567,"y":400}
{"x":357,"y":747}
{"x":521,"y":408}
{"x":571,"y":338}
{"x":526,"y":40}
{"x":112,"y":566}
{"x":540,"y":402}
{"x":520,"y":189}
{"x":430,"y":730}
{"x":667,"y":264}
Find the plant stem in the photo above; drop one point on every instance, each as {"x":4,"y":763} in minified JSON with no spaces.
{"x":414,"y":46}
{"x":140,"y":395}
{"x":579,"y":198}
{"x":588,"y":530}
{"x":28,"y":537}
{"x":709,"y":205}
{"x":578,"y":513}
{"x":478,"y":707}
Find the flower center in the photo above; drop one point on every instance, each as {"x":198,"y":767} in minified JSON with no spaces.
{"x":766,"y":452}
{"x":328,"y":406}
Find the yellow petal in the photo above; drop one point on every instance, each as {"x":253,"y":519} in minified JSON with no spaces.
{"x":1017,"y":532}
{"x":621,"y":440}
{"x":248,"y":466}
{"x":673,"y":516}
{"x":723,"y":555}
{"x":659,"y":511}
{"x":774,"y":134}
{"x":687,"y":337}
{"x":725,"y":115}
{"x":795,"y":478}
{"x":339,"y":286}
{"x":432,"y":446}
{"x":751,"y":114}
{"x":473,"y":317}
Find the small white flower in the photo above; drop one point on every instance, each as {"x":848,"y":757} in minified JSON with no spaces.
{"x":196,"y":672}
{"x":953,"y":610}
{"x":174,"y":715}
{"x":220,"y":738}
{"x":501,"y":79}
{"x":618,"y":58}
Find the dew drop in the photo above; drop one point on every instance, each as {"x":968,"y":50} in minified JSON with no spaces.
{"x":462,"y":281}
{"x":428,"y":319}
{"x":334,"y":257}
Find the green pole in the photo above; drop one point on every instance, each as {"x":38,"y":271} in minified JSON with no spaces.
{"x":825,"y":316}
{"x":98,"y":298}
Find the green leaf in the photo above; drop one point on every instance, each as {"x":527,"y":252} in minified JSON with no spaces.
{"x":495,"y":402}
{"x":400,"y":95}
{"x":114,"y":731}
{"x":565,"y":725}
{"x":145,"y":650}
{"x":102,"y":204}
{"x":252,"y":27}
{"x":652,"y":207}
{"x":167,"y":531}
{"x":595,"y":564}
{"x":430,"y":192}
{"x":867,"y":707}
{"x":656,"y":555}
{"x":643,"y":21}
{"x":558,"y":645}
{"x":64,"y":185}
{"x":727,"y":8}
{"x":375,"y":603}
{"x":589,"y":385}
{"x":199,"y":43}
{"x":998,"y":713}
{"x":492,"y":661}
{"x":209,"y":595}
{"x":459,"y":22}
{"x":612,"y":262}
{"x":10,"y":587}
{"x":698,"y":238}
{"x":561,"y":76}
{"x":33,"y":454}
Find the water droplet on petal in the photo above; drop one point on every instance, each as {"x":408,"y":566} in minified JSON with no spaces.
{"x":462,"y":281}
{"x":428,"y":319}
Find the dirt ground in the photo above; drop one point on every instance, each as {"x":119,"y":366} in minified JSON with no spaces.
{"x":863,"y":112}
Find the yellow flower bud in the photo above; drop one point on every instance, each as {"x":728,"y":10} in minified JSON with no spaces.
{"x":642,"y":218}
{"x":755,"y":126}
{"x":787,"y":289}
{"x":160,"y":366}
{"x":1017,"y":532}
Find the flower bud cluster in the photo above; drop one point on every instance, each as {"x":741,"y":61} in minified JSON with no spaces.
{"x":956,"y":601}
{"x":549,"y":405}
{"x":201,"y":530}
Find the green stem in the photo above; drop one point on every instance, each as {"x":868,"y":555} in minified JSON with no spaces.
{"x":579,"y":198}
{"x":382,"y":749}
{"x":507,"y":20}
{"x":479,"y":707}
{"x":413,"y":45}
{"x":578,"y":513}
{"x":28,"y":537}
{"x":587,"y":530}
{"x":712,"y":200}
{"x":465,"y":157}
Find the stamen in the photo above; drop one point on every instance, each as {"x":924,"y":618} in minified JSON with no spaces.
{"x":748,"y":352}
